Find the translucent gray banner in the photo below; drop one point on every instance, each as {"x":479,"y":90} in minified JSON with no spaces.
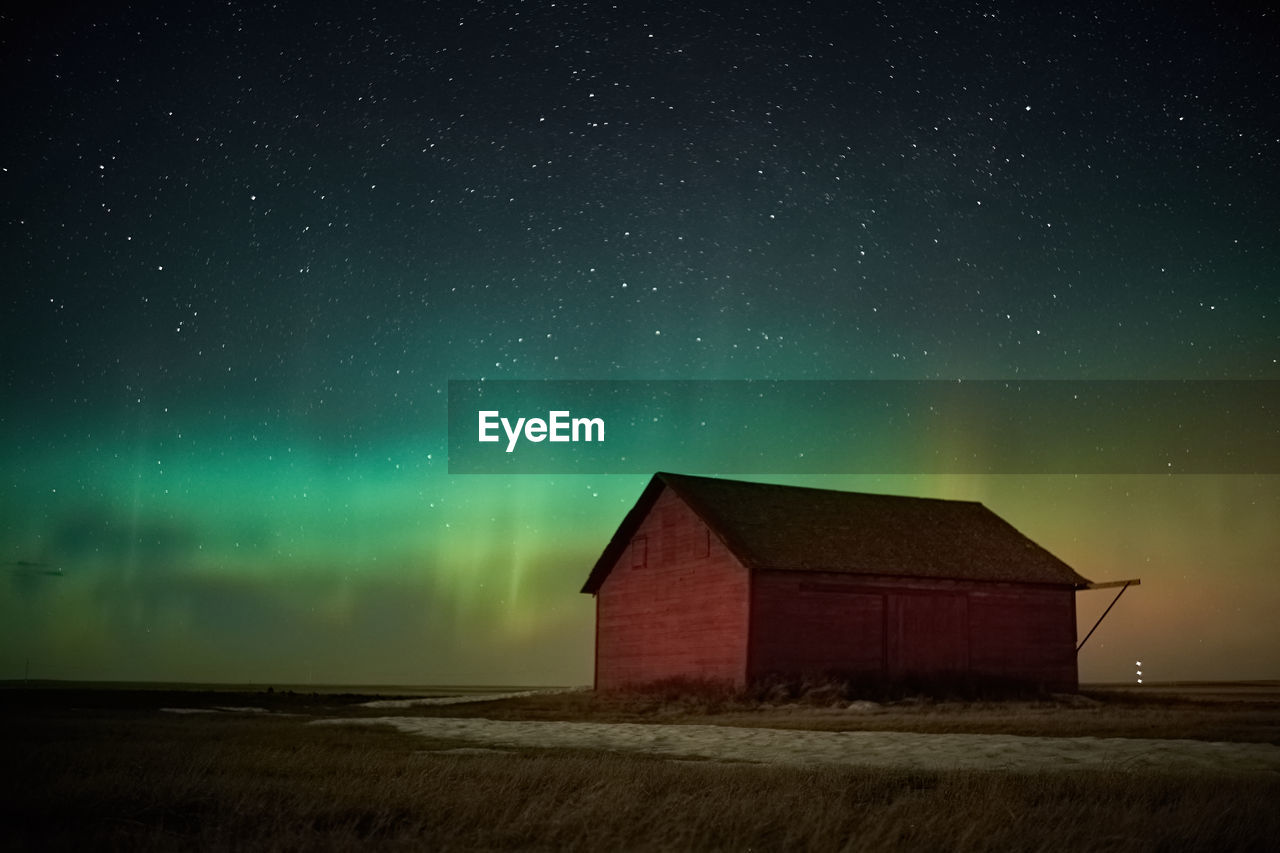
{"x":865,"y":427}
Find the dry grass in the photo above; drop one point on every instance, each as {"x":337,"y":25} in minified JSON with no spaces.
{"x":138,"y":780}
{"x":109,"y":771}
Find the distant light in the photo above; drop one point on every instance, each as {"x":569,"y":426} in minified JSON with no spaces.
{"x":1137,"y":663}
{"x":1139,"y":680}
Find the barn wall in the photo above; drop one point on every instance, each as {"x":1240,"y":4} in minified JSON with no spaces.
{"x":894,"y":629}
{"x":800,"y":626}
{"x":1024,"y":633}
{"x":674,"y":605}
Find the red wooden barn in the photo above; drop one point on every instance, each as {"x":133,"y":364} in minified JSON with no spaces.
{"x":729,"y":581}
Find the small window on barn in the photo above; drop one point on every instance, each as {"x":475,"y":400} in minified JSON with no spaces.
{"x":639,"y":552}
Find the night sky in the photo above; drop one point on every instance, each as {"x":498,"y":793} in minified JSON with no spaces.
{"x":246,"y":248}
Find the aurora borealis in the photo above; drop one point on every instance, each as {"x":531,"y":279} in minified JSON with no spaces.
{"x":246,"y":249}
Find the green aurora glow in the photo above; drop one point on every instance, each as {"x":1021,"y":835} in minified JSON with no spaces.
{"x":247,"y":248}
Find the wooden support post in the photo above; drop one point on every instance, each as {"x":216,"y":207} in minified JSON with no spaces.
{"x":1123,"y":586}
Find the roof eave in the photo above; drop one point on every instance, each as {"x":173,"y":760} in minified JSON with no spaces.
{"x":1081,"y":583}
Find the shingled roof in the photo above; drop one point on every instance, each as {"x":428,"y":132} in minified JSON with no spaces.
{"x":793,"y":528}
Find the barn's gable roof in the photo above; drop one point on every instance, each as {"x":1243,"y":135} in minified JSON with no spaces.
{"x":793,"y":528}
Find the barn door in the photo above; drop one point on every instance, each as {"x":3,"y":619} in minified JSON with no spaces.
{"x":928,"y":635}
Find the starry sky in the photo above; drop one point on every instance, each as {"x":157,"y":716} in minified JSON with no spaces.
{"x":246,"y":248}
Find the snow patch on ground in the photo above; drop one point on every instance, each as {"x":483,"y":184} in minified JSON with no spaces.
{"x":864,"y":749}
{"x":240,"y":709}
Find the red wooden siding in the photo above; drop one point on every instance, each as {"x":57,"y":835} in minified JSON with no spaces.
{"x":928,"y":634}
{"x":911,"y":629}
{"x":799,"y":627}
{"x":680,"y":610}
{"x":1024,"y":633}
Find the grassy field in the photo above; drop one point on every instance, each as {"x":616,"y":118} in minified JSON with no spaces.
{"x":107,"y":769}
